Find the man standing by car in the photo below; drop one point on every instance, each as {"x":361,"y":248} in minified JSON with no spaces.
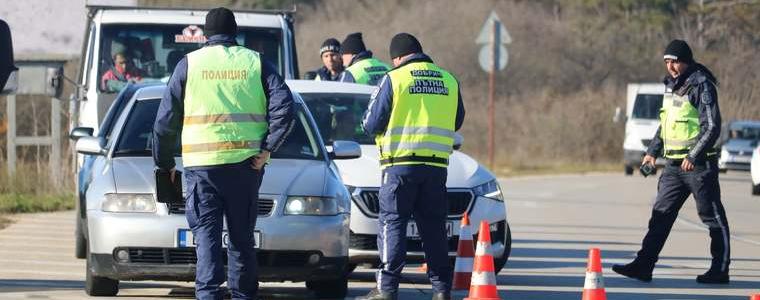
{"x":232,"y":109}
{"x":689,"y":126}
{"x":413,"y":114}
{"x":332,"y":68}
{"x":361,"y":67}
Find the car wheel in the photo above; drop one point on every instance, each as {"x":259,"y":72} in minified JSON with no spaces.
{"x":628,"y":170}
{"x":330,"y":289}
{"x":81,"y":242}
{"x":756,"y":189}
{"x":99,"y":286}
{"x":500,"y":262}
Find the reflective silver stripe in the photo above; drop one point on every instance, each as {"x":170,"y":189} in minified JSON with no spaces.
{"x":483,"y":249}
{"x":483,"y":278}
{"x":218,"y":146}
{"x":463,"y":264}
{"x":420,"y":130}
{"x":417,"y":146}
{"x":593,"y":281}
{"x":724,"y":233}
{"x":680,"y":143}
{"x":224,"y":118}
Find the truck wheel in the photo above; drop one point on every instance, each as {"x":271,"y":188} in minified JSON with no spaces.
{"x":81,"y":242}
{"x":756,"y":189}
{"x":99,"y":286}
{"x":628,"y":170}
{"x":329,"y":289}
{"x":500,"y":262}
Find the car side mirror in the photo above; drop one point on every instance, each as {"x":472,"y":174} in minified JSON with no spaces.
{"x":80,"y":132}
{"x":458,"y":140}
{"x":8,"y":71}
{"x":11,"y":85}
{"x":90,"y":145}
{"x":345,"y":150}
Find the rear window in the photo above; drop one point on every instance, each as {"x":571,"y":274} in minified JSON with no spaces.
{"x":647,"y":106}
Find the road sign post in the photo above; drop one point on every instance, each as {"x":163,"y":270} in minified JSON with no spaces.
{"x":493,"y":57}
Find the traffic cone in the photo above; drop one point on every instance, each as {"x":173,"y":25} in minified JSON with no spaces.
{"x":593,"y":289}
{"x":483,"y":285}
{"x":465,"y":256}
{"x":754,"y":297}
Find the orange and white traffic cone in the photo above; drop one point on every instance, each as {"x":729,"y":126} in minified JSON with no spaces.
{"x":754,"y":297}
{"x":483,"y":283}
{"x":465,"y":256}
{"x":593,"y":289}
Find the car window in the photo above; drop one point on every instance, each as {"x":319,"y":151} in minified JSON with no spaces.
{"x":647,"y":106}
{"x":137,"y":135}
{"x":339,"y":116}
{"x":149,"y":52}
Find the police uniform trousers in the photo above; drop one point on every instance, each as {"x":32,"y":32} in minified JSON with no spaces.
{"x":674,"y":187}
{"x":418,"y":192}
{"x":215,"y":194}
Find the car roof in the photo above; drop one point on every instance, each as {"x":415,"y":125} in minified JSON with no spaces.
{"x":151,"y":92}
{"x":184,"y":17}
{"x":314,"y":86}
{"x":735,"y":125}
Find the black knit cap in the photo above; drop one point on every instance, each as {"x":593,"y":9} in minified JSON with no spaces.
{"x":679,"y":50}
{"x":353,"y":44}
{"x":220,"y":20}
{"x":403,"y":44}
{"x":330,"y":45}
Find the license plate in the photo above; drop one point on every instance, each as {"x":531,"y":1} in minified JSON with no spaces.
{"x":413,"y":232}
{"x":185,"y":238}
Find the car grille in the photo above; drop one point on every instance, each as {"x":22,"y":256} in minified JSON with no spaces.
{"x":265,"y":207}
{"x":458,"y":201}
{"x":176,"y":256}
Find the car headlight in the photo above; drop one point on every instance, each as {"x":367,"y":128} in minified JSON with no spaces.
{"x":489,"y":189}
{"x":129,"y":203}
{"x":315,"y":206}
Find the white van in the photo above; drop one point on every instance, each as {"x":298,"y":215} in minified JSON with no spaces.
{"x":153,"y":40}
{"x":642,"y":118}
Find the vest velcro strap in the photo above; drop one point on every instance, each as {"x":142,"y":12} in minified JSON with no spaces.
{"x":224,"y":118}
{"x":418,"y":146}
{"x":219,"y":146}
{"x":421,"y":130}
{"x":419,"y":159}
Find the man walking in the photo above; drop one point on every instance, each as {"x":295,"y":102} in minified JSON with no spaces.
{"x":232,"y":109}
{"x":689,"y":126}
{"x":361,"y":67}
{"x":414,"y":114}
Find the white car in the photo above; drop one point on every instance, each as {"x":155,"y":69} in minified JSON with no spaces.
{"x":337,"y":109}
{"x":755,"y":166}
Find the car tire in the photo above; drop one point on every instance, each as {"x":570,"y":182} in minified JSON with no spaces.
{"x":99,"y":286}
{"x":329,"y":289}
{"x":628,"y":170}
{"x":500,"y":262}
{"x":80,"y":250}
{"x":756,"y":189}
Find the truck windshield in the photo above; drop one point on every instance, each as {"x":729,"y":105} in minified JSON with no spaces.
{"x":647,"y":106}
{"x":339,"y":116}
{"x":149,"y":52}
{"x":136,"y":138}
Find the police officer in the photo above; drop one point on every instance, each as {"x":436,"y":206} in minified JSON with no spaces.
{"x":332,"y":68}
{"x":413,"y":114}
{"x":361,"y":67}
{"x":689,"y":126}
{"x":232,"y":109}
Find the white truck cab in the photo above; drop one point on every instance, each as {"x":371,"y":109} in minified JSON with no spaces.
{"x":642,"y":118}
{"x":153,"y":40}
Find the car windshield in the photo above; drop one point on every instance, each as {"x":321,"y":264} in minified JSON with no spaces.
{"x":136,"y":138}
{"x":339,"y":116}
{"x":145,"y":53}
{"x":647,"y":106}
{"x":746,"y":133}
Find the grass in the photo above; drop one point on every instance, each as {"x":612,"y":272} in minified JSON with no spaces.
{"x":27,"y":203}
{"x":29,"y":190}
{"x":555,"y":169}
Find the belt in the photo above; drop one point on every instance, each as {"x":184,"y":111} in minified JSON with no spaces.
{"x":678,"y":162}
{"x":420,"y":159}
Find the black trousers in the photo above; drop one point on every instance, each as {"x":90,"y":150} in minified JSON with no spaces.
{"x":674,"y":188}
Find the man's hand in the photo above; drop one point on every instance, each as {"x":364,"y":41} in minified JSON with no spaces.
{"x":260,"y":159}
{"x":686,"y":165}
{"x":648,"y":159}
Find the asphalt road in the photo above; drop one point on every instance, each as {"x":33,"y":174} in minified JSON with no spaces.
{"x":554,"y":220}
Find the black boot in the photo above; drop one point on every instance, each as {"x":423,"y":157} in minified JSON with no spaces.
{"x":637,"y":270}
{"x":713,"y":276}
{"x":375,"y":294}
{"x":441,"y":296}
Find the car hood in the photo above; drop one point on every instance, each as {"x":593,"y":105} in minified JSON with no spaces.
{"x":282,"y":176}
{"x":740,"y":145}
{"x":463,"y":171}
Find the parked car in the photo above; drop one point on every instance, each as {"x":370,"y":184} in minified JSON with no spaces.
{"x":736,"y":152}
{"x":302,"y":230}
{"x":755,"y":166}
{"x":338,"y":109}
{"x":642,"y":118}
